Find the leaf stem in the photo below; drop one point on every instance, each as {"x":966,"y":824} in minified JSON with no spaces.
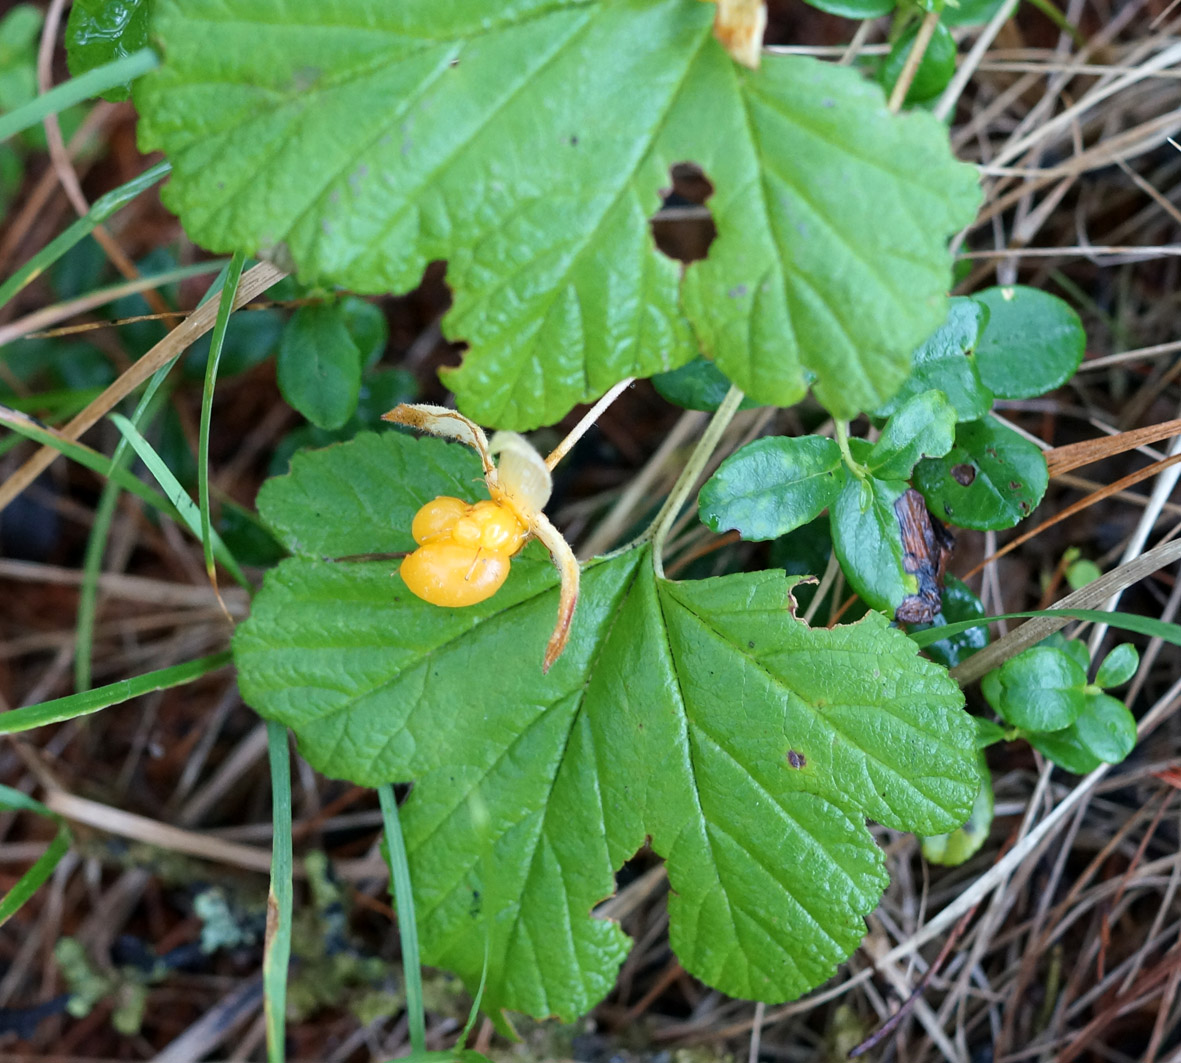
{"x":693,"y":468}
{"x":588,"y":419}
{"x":841,"y":431}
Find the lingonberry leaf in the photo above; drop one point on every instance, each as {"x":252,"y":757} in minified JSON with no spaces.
{"x":527,"y":144}
{"x":946,"y":362}
{"x":922,"y":427}
{"x":992,"y":478}
{"x":935,"y":69}
{"x":1065,"y":749}
{"x":1041,"y":689}
{"x":867,"y":539}
{"x":101,"y":31}
{"x":703,"y":715}
{"x":697,"y":385}
{"x":772,"y":486}
{"x":854,"y":8}
{"x":1106,"y":727}
{"x":319,"y":366}
{"x":1118,"y":666}
{"x":1033,"y":342}
{"x":959,"y":604}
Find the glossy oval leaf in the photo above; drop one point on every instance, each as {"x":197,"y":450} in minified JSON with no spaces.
{"x":959,"y":604}
{"x":697,"y":385}
{"x":1033,"y":342}
{"x":747,"y":746}
{"x":319,"y":366}
{"x":1041,"y":689}
{"x":922,"y":427}
{"x":1118,"y":666}
{"x":854,"y":8}
{"x":359,"y":140}
{"x":867,"y":539}
{"x":935,"y":69}
{"x":946,"y":362}
{"x":772,"y":486}
{"x":992,"y":478}
{"x":1065,"y":749}
{"x":101,"y":31}
{"x":1106,"y":728}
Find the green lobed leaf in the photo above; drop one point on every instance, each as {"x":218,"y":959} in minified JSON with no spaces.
{"x":772,"y":486}
{"x":992,"y":478}
{"x":922,"y":427}
{"x":1033,"y":342}
{"x":1106,"y":727}
{"x":946,"y":362}
{"x":935,"y":69}
{"x":1118,"y":666}
{"x":749,"y":747}
{"x":867,"y":539}
{"x":357,"y":141}
{"x":101,"y":31}
{"x":319,"y":366}
{"x":1041,"y":689}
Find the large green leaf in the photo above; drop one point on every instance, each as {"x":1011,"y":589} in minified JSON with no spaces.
{"x":101,"y":31}
{"x":749,"y":747}
{"x":526,"y":143}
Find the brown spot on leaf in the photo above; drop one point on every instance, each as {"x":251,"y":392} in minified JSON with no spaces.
{"x":963,"y":474}
{"x":796,"y":760}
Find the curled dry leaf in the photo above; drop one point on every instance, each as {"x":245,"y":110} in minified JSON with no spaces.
{"x":464,"y":549}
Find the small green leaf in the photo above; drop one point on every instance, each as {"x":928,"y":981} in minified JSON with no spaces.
{"x":320,"y":366}
{"x":367,"y":326}
{"x":969,"y":12}
{"x":697,"y":385}
{"x":1118,"y":666}
{"x":936,"y":67}
{"x":1065,"y":749}
{"x":992,"y":478}
{"x":1041,"y":689}
{"x":101,"y":31}
{"x":959,"y":603}
{"x":951,"y":850}
{"x":772,"y":486}
{"x":1033,"y":342}
{"x":988,"y":733}
{"x":1106,"y":728}
{"x":19,"y":30}
{"x":867,"y":539}
{"x":923,"y":427}
{"x":854,"y":8}
{"x":947,"y":362}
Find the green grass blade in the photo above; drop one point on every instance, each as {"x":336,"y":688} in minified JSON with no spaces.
{"x":407,"y":926}
{"x":229,"y":289}
{"x":34,"y":878}
{"x":102,"y":209}
{"x":83,"y":455}
{"x":190,"y":515}
{"x":83,"y":704}
{"x":1142,"y":625}
{"x":96,"y":545}
{"x":78,"y":89}
{"x":277,"y":954}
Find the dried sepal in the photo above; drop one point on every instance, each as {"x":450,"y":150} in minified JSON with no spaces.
{"x":567,"y":564}
{"x":448,"y":424}
{"x":739,"y":26}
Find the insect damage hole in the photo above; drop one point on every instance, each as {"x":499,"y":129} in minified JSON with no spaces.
{"x":683,"y":227}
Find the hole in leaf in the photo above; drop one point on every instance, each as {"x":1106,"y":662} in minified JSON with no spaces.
{"x":684,"y":228}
